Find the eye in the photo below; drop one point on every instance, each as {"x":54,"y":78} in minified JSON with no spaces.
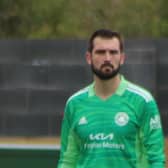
{"x":103,"y":51}
{"x":113,"y":52}
{"x":100,"y":52}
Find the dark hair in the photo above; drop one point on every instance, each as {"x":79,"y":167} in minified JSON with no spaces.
{"x":105,"y":33}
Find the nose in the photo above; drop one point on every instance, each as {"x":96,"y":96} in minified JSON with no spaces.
{"x":107,"y":56}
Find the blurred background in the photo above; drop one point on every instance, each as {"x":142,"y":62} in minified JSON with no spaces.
{"x":42,"y":62}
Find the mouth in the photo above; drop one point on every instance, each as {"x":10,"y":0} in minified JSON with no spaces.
{"x":107,"y":68}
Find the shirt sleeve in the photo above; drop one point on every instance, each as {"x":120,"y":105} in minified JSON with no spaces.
{"x":153,"y":139}
{"x":69,"y":152}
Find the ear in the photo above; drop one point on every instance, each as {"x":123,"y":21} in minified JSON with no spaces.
{"x":122,"y":61}
{"x":88,"y":57}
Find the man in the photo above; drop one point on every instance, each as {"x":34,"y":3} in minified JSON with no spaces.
{"x":112,"y":123}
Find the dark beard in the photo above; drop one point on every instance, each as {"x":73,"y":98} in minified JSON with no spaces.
{"x":105,"y":76}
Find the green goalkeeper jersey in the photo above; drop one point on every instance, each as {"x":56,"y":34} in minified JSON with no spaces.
{"x":123,"y":131}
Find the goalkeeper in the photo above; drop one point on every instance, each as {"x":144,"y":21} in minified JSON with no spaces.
{"x":112,"y":123}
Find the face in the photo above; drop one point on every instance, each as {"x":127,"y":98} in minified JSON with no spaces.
{"x":106,"y":58}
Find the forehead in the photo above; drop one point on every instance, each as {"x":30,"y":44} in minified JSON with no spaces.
{"x":106,"y":43}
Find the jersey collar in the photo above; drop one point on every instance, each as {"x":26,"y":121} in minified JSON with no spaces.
{"x":120,"y":90}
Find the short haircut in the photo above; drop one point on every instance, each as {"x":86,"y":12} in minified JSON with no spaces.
{"x":105,"y":33}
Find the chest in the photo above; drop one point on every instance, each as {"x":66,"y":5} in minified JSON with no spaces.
{"x":106,"y":121}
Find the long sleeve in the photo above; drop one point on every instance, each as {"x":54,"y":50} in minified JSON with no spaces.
{"x":153,"y":138}
{"x":69,"y":150}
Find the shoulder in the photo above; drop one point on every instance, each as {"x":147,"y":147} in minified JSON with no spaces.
{"x":138,"y":91}
{"x":80,"y":94}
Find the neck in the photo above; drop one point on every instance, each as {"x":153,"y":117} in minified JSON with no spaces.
{"x":106,"y":88}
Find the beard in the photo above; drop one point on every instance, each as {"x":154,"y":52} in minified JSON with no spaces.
{"x":106,"y":71}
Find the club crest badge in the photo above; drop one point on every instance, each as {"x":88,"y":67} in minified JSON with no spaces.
{"x":121,"y":118}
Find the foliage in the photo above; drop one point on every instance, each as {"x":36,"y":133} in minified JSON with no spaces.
{"x":164,"y":19}
{"x":78,"y":18}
